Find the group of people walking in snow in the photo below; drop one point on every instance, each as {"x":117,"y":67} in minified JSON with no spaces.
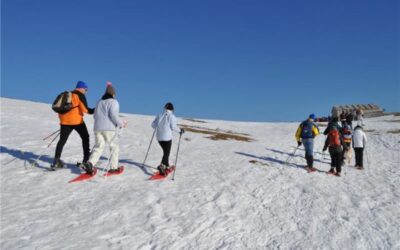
{"x":106,"y":126}
{"x":339,"y":140}
{"x":107,"y":123}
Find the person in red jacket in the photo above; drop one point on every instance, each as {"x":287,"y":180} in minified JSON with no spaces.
{"x":73,"y":120}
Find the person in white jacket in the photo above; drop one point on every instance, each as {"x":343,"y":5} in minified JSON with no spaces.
{"x":164,"y":124}
{"x":359,"y":142}
{"x":106,"y":121}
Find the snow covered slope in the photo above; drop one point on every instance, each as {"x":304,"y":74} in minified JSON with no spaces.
{"x":227,"y":194}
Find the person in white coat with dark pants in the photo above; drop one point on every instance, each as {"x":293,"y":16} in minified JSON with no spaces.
{"x":106,"y":121}
{"x":164,"y":124}
{"x":359,"y":142}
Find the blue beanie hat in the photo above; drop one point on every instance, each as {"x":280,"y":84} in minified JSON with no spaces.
{"x":312,"y":116}
{"x":81,"y":85}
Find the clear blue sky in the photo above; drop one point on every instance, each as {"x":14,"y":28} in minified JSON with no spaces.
{"x":229,"y":60}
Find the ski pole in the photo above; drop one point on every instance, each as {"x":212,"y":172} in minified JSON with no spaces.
{"x":42,"y":153}
{"x":148,"y":149}
{"x":53,"y":140}
{"x":47,"y":137}
{"x":291,"y":155}
{"x":20,"y":151}
{"x":176,"y":159}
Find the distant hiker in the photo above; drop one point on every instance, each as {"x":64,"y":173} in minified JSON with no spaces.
{"x":73,"y":120}
{"x":354,"y":113}
{"x":333,"y":123}
{"x":305,"y":134}
{"x":360,"y":117}
{"x":334,"y":141}
{"x":359,"y":142}
{"x":343,"y":117}
{"x":349,"y":119}
{"x":347,"y":136}
{"x":106,"y":121}
{"x":164,"y":124}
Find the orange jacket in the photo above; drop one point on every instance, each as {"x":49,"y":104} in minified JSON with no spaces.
{"x":79,"y":106}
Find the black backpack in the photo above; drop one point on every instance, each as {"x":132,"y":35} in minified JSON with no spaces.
{"x":63,"y":103}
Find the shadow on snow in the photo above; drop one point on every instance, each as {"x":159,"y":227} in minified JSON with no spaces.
{"x":273,"y":160}
{"x":31,"y":158}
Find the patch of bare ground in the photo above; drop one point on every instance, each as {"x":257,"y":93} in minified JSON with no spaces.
{"x":322,"y":124}
{"x":217,"y":134}
{"x":194,"y":120}
{"x":396,"y":121}
{"x":369,"y":130}
{"x":396,"y":131}
{"x":258,"y":163}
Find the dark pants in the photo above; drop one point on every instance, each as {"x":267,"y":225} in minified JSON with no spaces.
{"x":336,"y":158}
{"x":65,"y":131}
{"x":166,"y":147}
{"x":310,"y":160}
{"x":359,"y":156}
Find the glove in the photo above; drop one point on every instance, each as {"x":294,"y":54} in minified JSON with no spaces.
{"x":298,"y":143}
{"x":182,"y":131}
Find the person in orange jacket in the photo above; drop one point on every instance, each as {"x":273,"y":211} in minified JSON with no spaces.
{"x":73,"y":120}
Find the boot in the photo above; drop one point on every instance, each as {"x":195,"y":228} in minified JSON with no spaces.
{"x":114,"y":170}
{"x":57,"y":164}
{"x":88,"y":168}
{"x":162,"y":169}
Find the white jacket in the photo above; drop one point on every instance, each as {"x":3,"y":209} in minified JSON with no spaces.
{"x":106,"y":115}
{"x":359,"y":138}
{"x":165,"y":123}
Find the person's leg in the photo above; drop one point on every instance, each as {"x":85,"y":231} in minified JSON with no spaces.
{"x":362,"y":157}
{"x":84,"y":134}
{"x":309,"y":148}
{"x":112,"y":140}
{"x":98,"y":148}
{"x":357,"y":152}
{"x":339,"y":160}
{"x":65,"y":131}
{"x":333,"y":160}
{"x":166,"y":147}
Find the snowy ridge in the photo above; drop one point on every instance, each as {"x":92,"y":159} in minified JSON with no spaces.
{"x":219,"y":199}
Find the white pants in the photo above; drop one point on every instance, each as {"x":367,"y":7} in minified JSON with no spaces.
{"x":102,"y":138}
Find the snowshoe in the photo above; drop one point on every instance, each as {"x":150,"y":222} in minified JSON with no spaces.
{"x":310,"y":169}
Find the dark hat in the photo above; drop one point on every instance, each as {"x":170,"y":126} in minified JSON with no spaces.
{"x":110,"y":90}
{"x":312,"y":116}
{"x":169,"y":106}
{"x":81,"y":85}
